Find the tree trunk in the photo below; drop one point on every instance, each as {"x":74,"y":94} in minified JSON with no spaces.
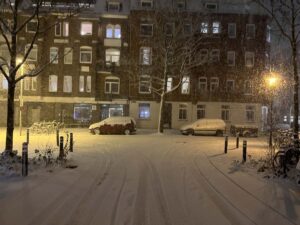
{"x":296,"y":92}
{"x":10,"y":118}
{"x":161,"y":114}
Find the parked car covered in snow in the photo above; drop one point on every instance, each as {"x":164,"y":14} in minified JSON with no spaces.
{"x":244,"y":130}
{"x":114,"y":125}
{"x":205,"y":127}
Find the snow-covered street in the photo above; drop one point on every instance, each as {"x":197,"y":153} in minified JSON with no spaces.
{"x":148,"y":179}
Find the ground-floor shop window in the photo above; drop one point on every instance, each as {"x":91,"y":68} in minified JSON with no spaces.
{"x":144,"y":110}
{"x":182,"y":112}
{"x":82,"y":113}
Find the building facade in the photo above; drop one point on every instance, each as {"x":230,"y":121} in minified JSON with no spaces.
{"x":90,"y":77}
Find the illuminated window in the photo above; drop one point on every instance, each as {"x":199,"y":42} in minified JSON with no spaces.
{"x":144,"y":110}
{"x":33,"y":53}
{"x":52,"y":83}
{"x":145,"y":56}
{"x":113,"y":31}
{"x":86,"y":28}
{"x":67,"y":84}
{"x":185,"y":86}
{"x":68,"y":56}
{"x":54,"y":55}
{"x":112,"y":56}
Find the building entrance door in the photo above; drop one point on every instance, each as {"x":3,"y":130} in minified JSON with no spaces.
{"x":167,"y":116}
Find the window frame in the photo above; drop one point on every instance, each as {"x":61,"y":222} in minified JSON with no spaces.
{"x":111,"y":56}
{"x":228,"y":58}
{"x":185,"y":82}
{"x":248,"y":53}
{"x":54,"y":59}
{"x":182,"y":111}
{"x":110,"y":80}
{"x":68,"y":83}
{"x":55,"y":89}
{"x":248,"y":25}
{"x":233,"y":25}
{"x":146,"y":106}
{"x":86,"y":23}
{"x":34,"y":49}
{"x":200,"y":82}
{"x":85,"y":50}
{"x":145,"y":76}
{"x":211,"y":84}
{"x":149,"y":25}
{"x":143,"y":54}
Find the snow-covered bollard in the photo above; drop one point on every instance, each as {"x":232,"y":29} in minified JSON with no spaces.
{"x":27,"y":136}
{"x":25,"y":159}
{"x":57,"y":137}
{"x":71,"y":142}
{"x":226,"y":144}
{"x":244,"y":151}
{"x":61,"y":147}
{"x":237,"y":139}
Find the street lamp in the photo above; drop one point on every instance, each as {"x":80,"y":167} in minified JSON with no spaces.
{"x":271,"y":83}
{"x":19,"y":60}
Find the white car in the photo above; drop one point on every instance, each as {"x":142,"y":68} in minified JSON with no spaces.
{"x":205,"y":127}
{"x":114,"y":125}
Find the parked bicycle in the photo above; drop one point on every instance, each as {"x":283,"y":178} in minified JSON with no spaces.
{"x":45,"y":127}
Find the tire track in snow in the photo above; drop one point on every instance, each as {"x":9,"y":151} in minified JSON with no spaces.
{"x":158,"y":190}
{"x":56,"y":209}
{"x":249,"y":193}
{"x":220,"y":200}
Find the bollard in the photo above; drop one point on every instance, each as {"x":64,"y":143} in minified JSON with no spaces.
{"x":71,"y":142}
{"x":237,"y":139}
{"x":27,"y":136}
{"x":61,"y":147}
{"x":226,"y":144}
{"x":25,"y":159}
{"x":57,"y":137}
{"x":244,"y":151}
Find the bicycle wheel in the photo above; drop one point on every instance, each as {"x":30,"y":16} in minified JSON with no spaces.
{"x":279,"y":159}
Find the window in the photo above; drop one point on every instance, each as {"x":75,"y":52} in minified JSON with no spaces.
{"x":147,"y":3}
{"x":204,"y":28}
{"x":68,"y":56}
{"x":85,"y":55}
{"x":113,"y":6}
{"x":185,"y":86}
{"x":88,"y":84}
{"x":187,"y":29}
{"x":216,"y":28}
{"x":214,"y":83}
{"x":250,"y":113}
{"x":62,"y":29}
{"x":146,"y":30}
{"x":52,"y":83}
{"x":268,"y":34}
{"x":231,"y":58}
{"x":145,"y":84}
{"x":203,"y":55}
{"x":211,"y":6}
{"x":81,"y":84}
{"x":4,"y":53}
{"x":248,"y":87}
{"x":169,"y":83}
{"x":145,"y":56}
{"x":4,"y":83}
{"x":112,"y":85}
{"x":225,"y":112}
{"x":169,"y":29}
{"x":30,"y":83}
{"x":181,"y":4}
{"x":113,"y":31}
{"x":67,"y":84}
{"x":182,"y":115}
{"x":250,"y":31}
{"x":33,"y":53}
{"x":82,"y":112}
{"x":112,"y":57}
{"x":200,"y":111}
{"x":230,"y":85}
{"x":232,"y":30}
{"x":31,"y":27}
{"x":86,"y":28}
{"x":54,"y":55}
{"x":249,"y":59}
{"x":144,"y":110}
{"x":202,"y":84}
{"x":215,"y":55}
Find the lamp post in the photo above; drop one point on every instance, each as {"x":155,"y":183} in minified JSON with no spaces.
{"x":272,"y":82}
{"x":21,"y":98}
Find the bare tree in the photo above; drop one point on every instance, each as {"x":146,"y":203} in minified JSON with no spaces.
{"x":172,"y":54}
{"x":285,"y":15}
{"x":15,"y":16}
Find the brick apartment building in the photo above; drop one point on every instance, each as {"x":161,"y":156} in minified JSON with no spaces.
{"x":89,"y":80}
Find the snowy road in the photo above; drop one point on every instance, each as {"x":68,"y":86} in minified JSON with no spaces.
{"x":149,"y":179}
